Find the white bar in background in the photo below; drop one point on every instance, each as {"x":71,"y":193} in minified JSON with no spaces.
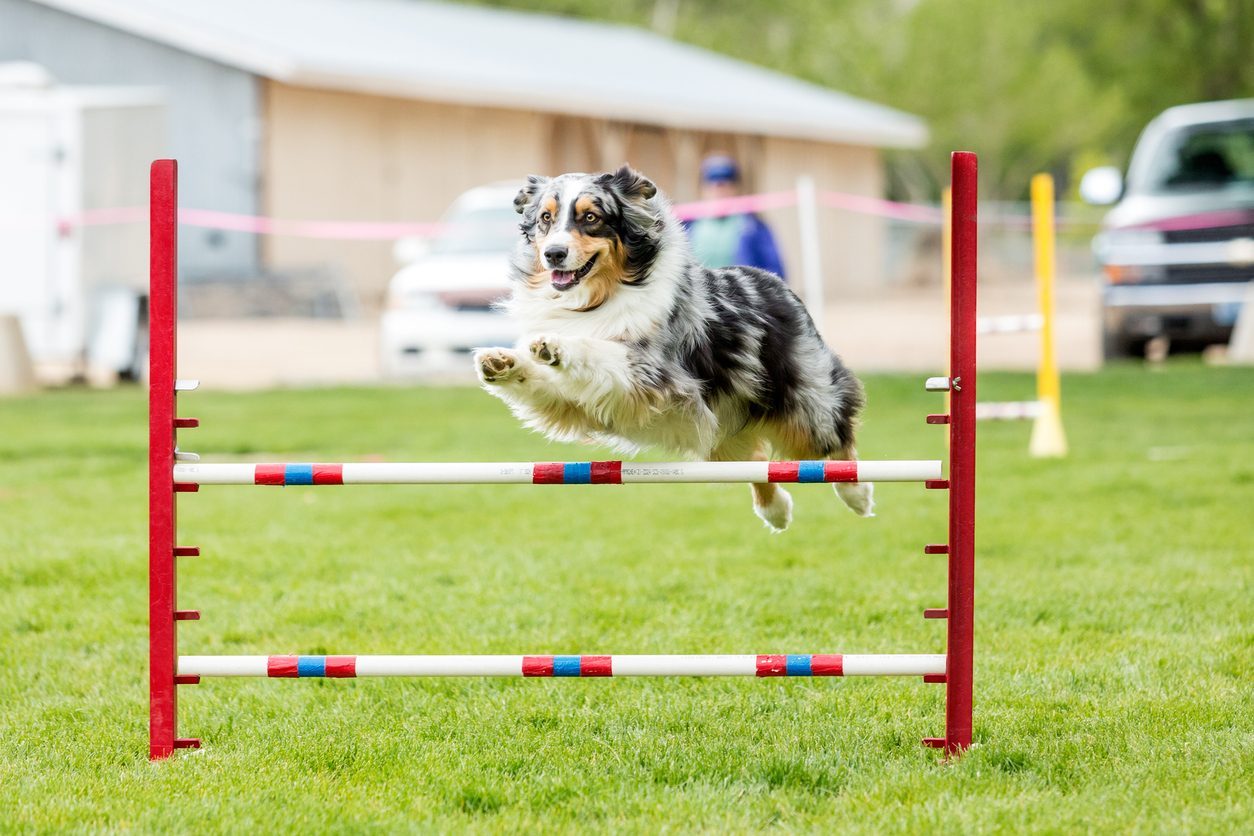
{"x":1008,"y":410}
{"x":1009,"y":324}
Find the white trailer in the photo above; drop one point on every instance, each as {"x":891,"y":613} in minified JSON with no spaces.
{"x":70,"y":157}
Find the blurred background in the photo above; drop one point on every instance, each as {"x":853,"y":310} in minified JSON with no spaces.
{"x":347,"y":168}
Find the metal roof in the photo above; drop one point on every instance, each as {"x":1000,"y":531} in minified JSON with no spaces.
{"x":523,"y":60}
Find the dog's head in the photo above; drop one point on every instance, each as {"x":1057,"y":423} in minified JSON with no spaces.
{"x":587,"y":235}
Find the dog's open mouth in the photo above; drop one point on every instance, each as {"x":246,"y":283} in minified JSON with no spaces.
{"x":566,"y":279}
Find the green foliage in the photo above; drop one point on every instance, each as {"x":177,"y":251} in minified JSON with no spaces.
{"x":1031,"y":86}
{"x":1115,"y":666}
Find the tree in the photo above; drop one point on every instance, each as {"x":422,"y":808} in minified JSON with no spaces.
{"x":1031,"y":86}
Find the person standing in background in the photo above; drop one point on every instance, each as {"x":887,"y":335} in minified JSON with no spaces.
{"x":742,"y":239}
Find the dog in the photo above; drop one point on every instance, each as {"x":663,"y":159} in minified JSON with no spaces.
{"x":628,"y":341}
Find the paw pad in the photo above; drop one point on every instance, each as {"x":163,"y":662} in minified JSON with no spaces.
{"x":496,"y":365}
{"x":545,"y":351}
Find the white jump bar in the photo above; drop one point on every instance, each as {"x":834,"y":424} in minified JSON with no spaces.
{"x":440,"y":473}
{"x":560,"y":666}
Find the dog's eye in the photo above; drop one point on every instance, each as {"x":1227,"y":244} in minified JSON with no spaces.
{"x":591,"y":217}
{"x":546,"y":217}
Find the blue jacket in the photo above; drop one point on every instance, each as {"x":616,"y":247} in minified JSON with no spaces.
{"x":750,"y":243}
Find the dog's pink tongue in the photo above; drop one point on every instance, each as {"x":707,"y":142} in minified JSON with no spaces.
{"x":563,"y":278}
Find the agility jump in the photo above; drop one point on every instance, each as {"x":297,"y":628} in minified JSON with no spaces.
{"x":172,"y":471}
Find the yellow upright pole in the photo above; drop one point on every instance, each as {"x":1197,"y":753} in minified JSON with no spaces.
{"x":1048,"y":438}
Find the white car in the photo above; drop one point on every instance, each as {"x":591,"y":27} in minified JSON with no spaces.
{"x":440,"y":304}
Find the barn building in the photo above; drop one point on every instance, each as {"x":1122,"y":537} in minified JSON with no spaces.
{"x":386,"y":110}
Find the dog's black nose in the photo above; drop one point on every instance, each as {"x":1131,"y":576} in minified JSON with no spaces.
{"x":555,"y":255}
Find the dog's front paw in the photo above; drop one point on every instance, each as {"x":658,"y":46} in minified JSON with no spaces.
{"x":497,"y":365}
{"x":546,"y":351}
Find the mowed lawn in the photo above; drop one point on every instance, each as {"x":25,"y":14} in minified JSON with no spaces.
{"x":1115,"y":626}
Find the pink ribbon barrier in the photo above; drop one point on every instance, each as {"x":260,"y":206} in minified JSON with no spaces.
{"x":917,"y":213}
{"x":862,"y":204}
{"x":356,"y":230}
{"x":738,"y":205}
{"x":259,"y":225}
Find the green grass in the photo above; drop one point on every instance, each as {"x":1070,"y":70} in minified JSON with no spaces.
{"x":1115,"y":646}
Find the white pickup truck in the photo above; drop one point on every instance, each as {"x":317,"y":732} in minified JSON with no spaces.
{"x":1177,"y":249}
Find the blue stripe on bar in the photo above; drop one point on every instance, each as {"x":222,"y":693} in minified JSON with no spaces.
{"x":809,"y":471}
{"x":298,"y":474}
{"x":577,"y":473}
{"x":311,"y":666}
{"x":566,"y":665}
{"x":798,"y":664}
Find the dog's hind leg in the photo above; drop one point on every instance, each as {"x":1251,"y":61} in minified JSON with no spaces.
{"x":859,"y":496}
{"x":790,"y":444}
{"x":771,"y":503}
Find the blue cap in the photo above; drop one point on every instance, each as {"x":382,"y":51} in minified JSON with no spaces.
{"x":719,"y":168}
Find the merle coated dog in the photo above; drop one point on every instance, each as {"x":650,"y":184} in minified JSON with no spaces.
{"x":628,"y":341}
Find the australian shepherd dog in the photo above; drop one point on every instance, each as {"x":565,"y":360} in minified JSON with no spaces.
{"x":630,"y":342}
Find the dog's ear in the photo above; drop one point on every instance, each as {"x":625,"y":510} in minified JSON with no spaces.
{"x":527,"y":193}
{"x":629,"y":183}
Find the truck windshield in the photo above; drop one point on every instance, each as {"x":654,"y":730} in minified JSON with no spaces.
{"x":1204,"y":157}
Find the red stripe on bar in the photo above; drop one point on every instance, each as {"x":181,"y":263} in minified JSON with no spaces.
{"x":342,"y":667}
{"x":607,"y":473}
{"x":827,"y":665}
{"x":548,"y":473}
{"x":595,"y":666}
{"x":774,"y":665}
{"x":782,"y":472}
{"x":537,"y":665}
{"x":281,"y":666}
{"x":328,"y":474}
{"x":268,"y":474}
{"x":840,"y":471}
